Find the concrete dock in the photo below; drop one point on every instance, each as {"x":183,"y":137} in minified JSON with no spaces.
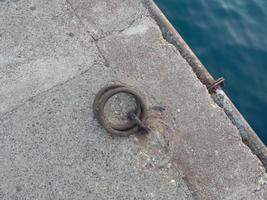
{"x":55,"y":56}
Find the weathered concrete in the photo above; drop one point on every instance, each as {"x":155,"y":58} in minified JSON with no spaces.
{"x":55,"y":56}
{"x":249,"y":137}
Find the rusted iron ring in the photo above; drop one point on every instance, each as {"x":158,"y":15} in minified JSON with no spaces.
{"x":118,"y":129}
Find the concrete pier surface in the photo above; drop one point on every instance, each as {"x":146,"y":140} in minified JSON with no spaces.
{"x":55,"y":56}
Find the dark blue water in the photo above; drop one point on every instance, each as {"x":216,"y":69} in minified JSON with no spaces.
{"x":230,"y":38}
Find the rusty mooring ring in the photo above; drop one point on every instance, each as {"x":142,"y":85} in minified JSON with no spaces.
{"x":118,"y":129}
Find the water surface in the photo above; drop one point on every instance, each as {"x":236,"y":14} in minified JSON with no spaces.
{"x":230,"y":38}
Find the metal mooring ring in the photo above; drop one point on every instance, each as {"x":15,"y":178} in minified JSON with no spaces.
{"x":118,"y":129}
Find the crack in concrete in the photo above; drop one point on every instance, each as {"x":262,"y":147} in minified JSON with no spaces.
{"x":43,"y":92}
{"x":106,"y":63}
{"x":107,"y":34}
{"x":95,"y":41}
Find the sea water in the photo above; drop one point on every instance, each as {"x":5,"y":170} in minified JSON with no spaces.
{"x":230,"y":39}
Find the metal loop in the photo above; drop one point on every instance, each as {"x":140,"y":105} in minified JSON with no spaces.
{"x":118,"y":129}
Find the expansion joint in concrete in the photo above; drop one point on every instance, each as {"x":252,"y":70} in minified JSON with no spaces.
{"x":41,"y":93}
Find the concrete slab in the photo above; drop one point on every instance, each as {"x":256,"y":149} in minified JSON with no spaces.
{"x":106,"y":17}
{"x":42,"y":45}
{"x":197,"y":138}
{"x":51,"y":146}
